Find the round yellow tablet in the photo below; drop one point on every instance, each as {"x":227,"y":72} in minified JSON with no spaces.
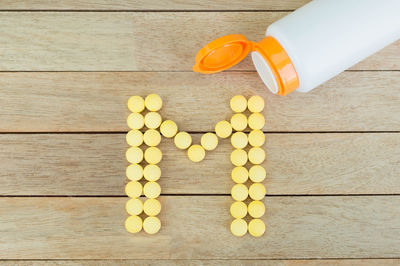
{"x":256,"y":227}
{"x":257,"y":191}
{"x":239,"y":157}
{"x":153,"y":102}
{"x":152,"y":207}
{"x":256,"y":138}
{"x":133,"y":224}
{"x":134,"y":206}
{"x":151,"y":225}
{"x":239,"y":140}
{"x":256,"y":121}
{"x":134,"y":172}
{"x":238,"y":103}
{"x":256,"y":155}
{"x":135,"y":104}
{"x":152,"y":120}
{"x":133,"y":189}
{"x":196,"y":153}
{"x":182,"y":140}
{"x":152,"y":137}
{"x":152,"y":190}
{"x":168,"y":128}
{"x":153,"y":155}
{"x":239,"y":174}
{"x":209,"y":141}
{"x":223,"y":129}
{"x":134,"y":138}
{"x":152,"y":172}
{"x":239,"y":192}
{"x":134,"y":155}
{"x":238,"y":209}
{"x":239,"y":227}
{"x":256,"y":209}
{"x":256,"y":104}
{"x":257,"y":173}
{"x":135,"y":121}
{"x":239,"y":122}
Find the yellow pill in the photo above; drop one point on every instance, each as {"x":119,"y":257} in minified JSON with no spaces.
{"x":151,"y":225}
{"x":134,"y":172}
{"x":257,"y":191}
{"x":196,"y":153}
{"x":134,"y":206}
{"x":136,"y":104}
{"x":256,"y":138}
{"x":256,"y":227}
{"x":152,"y":207}
{"x":152,"y":137}
{"x":153,"y":155}
{"x":168,"y":128}
{"x":238,"y":209}
{"x":152,"y":172}
{"x":152,"y":190}
{"x":239,"y":157}
{"x":152,"y":120}
{"x":182,"y":140}
{"x":256,"y":121}
{"x":239,"y":122}
{"x":153,"y":102}
{"x":133,"y":224}
{"x":239,"y":140}
{"x":256,"y":155}
{"x":223,"y":129}
{"x":134,"y":138}
{"x":239,"y":227}
{"x":135,"y":121}
{"x":239,"y":174}
{"x":209,"y":141}
{"x":133,"y":189}
{"x":257,"y":173}
{"x":134,"y":155}
{"x":238,"y":103}
{"x":239,"y":192}
{"x":256,"y":209}
{"x":256,"y":104}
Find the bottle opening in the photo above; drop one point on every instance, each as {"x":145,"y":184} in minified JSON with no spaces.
{"x":265,"y":72}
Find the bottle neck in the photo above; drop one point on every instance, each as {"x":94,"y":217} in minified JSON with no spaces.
{"x":277,"y":70}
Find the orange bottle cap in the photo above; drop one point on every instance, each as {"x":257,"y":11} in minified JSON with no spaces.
{"x":222,"y":53}
{"x":227,"y":51}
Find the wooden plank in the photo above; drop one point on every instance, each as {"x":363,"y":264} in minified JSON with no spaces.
{"x":34,"y":102}
{"x":143,"y":5}
{"x":210,"y":262}
{"x":92,"y":164}
{"x":135,"y":41}
{"x":198,"y":227}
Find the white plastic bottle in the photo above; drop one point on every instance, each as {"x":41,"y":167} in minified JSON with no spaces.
{"x":311,"y":45}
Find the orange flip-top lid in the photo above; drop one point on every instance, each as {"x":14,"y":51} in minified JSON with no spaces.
{"x":222,"y":53}
{"x":227,"y":51}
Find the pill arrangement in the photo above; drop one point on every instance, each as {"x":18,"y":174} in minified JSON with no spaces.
{"x":239,"y":158}
{"x":196,"y":153}
{"x":148,"y":169}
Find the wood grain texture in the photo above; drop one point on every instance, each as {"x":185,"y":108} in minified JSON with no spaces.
{"x":209,"y":262}
{"x":93,"y":164}
{"x":134,"y":41}
{"x":53,"y":102}
{"x":151,"y":5}
{"x":198,"y":227}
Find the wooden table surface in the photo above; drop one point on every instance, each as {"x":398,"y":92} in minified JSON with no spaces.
{"x":67,"y":70}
